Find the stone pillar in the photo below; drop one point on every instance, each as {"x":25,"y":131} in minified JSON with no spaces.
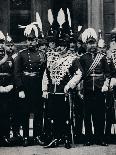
{"x":79,"y":9}
{"x":40,"y":6}
{"x":115,"y":11}
{"x":95,"y":14}
{"x":4,"y":16}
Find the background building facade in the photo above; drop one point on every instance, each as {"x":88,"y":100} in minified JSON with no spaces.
{"x":99,"y":14}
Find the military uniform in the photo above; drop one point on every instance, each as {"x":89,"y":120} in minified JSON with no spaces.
{"x":29,"y":69}
{"x":93,"y":97}
{"x":6,"y":96}
{"x":111,"y":95}
{"x":60,"y":71}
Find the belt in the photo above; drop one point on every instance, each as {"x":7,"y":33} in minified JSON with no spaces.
{"x":5,"y":74}
{"x":31,"y":74}
{"x":96,"y":75}
{"x":56,"y":93}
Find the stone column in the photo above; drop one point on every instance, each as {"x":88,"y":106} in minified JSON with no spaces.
{"x":115,"y":12}
{"x":40,"y":6}
{"x":4,"y":16}
{"x":95,"y":14}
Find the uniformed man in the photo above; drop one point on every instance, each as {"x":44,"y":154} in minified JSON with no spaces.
{"x":29,"y":68}
{"x":78,"y":97}
{"x":96,"y":81}
{"x":6,"y":90}
{"x":111,"y":94}
{"x":63,"y":74}
{"x":14,"y":108}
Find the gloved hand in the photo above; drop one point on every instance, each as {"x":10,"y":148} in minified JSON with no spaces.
{"x":112,"y":82}
{"x":80,"y":95}
{"x":2,"y":90}
{"x":104,"y":88}
{"x":8,"y":88}
{"x":66,"y":89}
{"x":45,"y":94}
{"x":21,"y":94}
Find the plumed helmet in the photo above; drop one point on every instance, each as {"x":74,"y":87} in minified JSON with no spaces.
{"x":31,"y":31}
{"x":2,"y":37}
{"x":89,"y":35}
{"x":9,"y":39}
{"x":52,"y":35}
{"x":61,"y":42}
{"x":113,"y":35}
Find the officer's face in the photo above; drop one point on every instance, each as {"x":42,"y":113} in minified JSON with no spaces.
{"x":72,"y":46}
{"x":92,"y":46}
{"x":10,"y":48}
{"x":31,"y":43}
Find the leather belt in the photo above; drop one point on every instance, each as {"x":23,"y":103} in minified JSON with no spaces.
{"x":96,"y":75}
{"x":31,"y":74}
{"x":57,"y":93}
{"x":5,"y":74}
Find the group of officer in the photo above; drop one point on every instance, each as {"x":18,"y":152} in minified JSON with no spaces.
{"x":62,"y":80}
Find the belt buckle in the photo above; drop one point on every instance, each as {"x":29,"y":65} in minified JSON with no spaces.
{"x":32,"y":74}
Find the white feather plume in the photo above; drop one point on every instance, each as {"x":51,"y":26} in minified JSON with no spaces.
{"x":29,"y":28}
{"x":79,"y":28}
{"x":101,"y":43}
{"x":61,"y":17}
{"x":21,"y":26}
{"x":50,"y":16}
{"x":38,"y":20}
{"x":69,"y":17}
{"x":90,"y":32}
{"x":8,"y":38}
{"x":2,"y":35}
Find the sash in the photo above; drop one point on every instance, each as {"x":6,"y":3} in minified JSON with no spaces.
{"x":96,"y":61}
{"x":59,"y":62}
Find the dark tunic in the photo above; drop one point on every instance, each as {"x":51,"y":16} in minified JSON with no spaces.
{"x":94,"y":99}
{"x":59,"y":73}
{"x":6,"y":99}
{"x":29,"y":69}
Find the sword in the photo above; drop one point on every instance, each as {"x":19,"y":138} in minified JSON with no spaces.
{"x":71,"y":105}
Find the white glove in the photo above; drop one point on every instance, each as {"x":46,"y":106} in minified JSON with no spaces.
{"x":2,"y":90}
{"x":66,"y":89}
{"x":45,"y":94}
{"x":21,"y":94}
{"x":8,"y":88}
{"x":112,"y":82}
{"x":104,"y":88}
{"x":80,"y":95}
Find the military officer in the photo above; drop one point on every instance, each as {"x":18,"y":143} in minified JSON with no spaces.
{"x":6,"y":90}
{"x":63,"y":74}
{"x":29,"y":68}
{"x":111,"y":94}
{"x":14,"y":108}
{"x":78,"y":97}
{"x":96,"y":81}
